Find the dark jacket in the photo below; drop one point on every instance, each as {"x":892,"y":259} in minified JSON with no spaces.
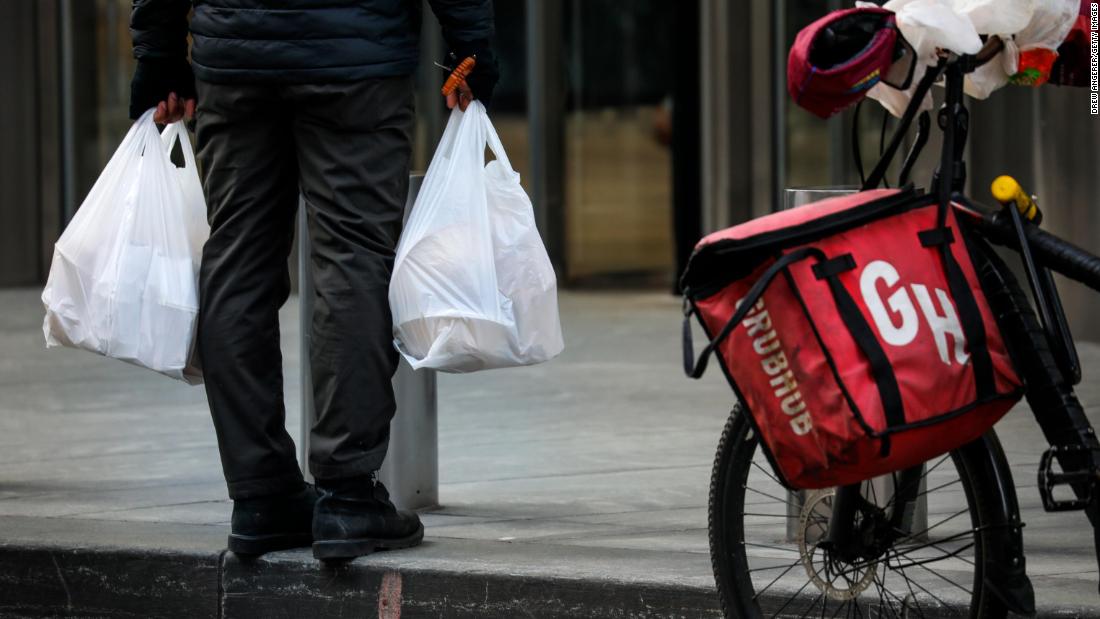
{"x":302,"y":41}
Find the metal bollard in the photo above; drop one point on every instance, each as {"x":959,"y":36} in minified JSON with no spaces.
{"x":411,"y":468}
{"x":880,"y":489}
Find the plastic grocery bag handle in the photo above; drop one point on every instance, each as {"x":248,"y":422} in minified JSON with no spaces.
{"x":178,"y":131}
{"x":491,"y":137}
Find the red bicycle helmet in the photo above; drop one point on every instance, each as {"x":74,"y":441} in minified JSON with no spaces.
{"x":838,"y":58}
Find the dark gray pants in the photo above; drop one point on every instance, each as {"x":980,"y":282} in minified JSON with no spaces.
{"x":347,"y":148}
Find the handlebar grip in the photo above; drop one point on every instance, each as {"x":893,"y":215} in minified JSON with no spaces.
{"x":1048,"y":250}
{"x":1007,"y":190}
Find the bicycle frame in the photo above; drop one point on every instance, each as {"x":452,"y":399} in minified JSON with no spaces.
{"x":1066,"y":428}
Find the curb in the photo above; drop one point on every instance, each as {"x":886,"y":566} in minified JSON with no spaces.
{"x":86,"y":568}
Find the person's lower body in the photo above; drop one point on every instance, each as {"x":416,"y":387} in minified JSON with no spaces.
{"x":345,"y":148}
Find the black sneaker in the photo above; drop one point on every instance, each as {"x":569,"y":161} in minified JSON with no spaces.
{"x":271,"y":523}
{"x":354,"y":517}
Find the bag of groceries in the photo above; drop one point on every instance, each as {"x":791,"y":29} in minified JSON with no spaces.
{"x":472,"y":286}
{"x":124,"y":278}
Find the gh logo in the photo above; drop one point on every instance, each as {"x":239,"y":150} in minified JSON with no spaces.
{"x":899,"y":325}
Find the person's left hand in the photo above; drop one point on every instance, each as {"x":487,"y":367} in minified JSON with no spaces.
{"x":480,"y":82}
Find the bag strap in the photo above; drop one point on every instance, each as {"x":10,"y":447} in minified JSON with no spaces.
{"x":695,"y":368}
{"x":970,"y":316}
{"x":860,"y":330}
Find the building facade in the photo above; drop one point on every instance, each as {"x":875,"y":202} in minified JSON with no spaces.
{"x":635,"y":127}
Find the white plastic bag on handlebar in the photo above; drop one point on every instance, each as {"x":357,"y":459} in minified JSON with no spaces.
{"x":123,"y":281}
{"x":927,"y":25}
{"x":472,"y":286}
{"x":957,"y":25}
{"x":1050,"y":24}
{"x":1047,"y":24}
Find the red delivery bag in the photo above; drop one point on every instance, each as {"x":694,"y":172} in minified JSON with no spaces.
{"x":855,"y":332}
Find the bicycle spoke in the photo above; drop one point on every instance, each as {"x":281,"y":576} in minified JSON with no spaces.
{"x":923,"y":545}
{"x":787,"y":566}
{"x":934,"y":559}
{"x":785,"y":572}
{"x":948,"y":519}
{"x":840,"y":607}
{"x":930,"y":490}
{"x":922,"y":587}
{"x":784,"y":516}
{"x":774,"y":498}
{"x":882,"y":591}
{"x":880,"y":579}
{"x":793,"y":598}
{"x":924,"y":475}
{"x":766,"y":472}
{"x":955,"y":555}
{"x":901,"y":601}
{"x":812,"y":604}
{"x":912,"y":593}
{"x":944,"y":578}
{"x":769,"y":547}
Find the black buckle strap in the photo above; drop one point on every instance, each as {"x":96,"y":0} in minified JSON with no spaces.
{"x":695,"y":368}
{"x":970,"y":316}
{"x":860,"y":330}
{"x":936,"y":236}
{"x":834,"y":266}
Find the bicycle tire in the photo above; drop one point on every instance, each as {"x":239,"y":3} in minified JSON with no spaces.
{"x":737,"y":595}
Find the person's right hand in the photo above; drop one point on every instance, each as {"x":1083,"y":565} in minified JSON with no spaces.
{"x":174,"y":109}
{"x":165,"y":84}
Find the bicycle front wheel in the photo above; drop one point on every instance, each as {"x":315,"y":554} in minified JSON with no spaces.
{"x":770,"y":560}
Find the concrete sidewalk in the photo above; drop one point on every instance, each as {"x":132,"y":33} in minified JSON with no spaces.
{"x":575,"y":488}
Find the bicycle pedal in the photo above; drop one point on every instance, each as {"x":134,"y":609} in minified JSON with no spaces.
{"x":1049,"y":479}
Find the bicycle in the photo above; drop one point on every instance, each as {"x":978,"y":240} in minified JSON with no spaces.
{"x":860,"y":550}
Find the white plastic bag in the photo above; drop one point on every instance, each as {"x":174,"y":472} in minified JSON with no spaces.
{"x":472,"y":286}
{"x":926,"y":25}
{"x":124,"y":278}
{"x":1001,"y":17}
{"x":956,"y":25}
{"x":931,"y":24}
{"x":1050,"y":24}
